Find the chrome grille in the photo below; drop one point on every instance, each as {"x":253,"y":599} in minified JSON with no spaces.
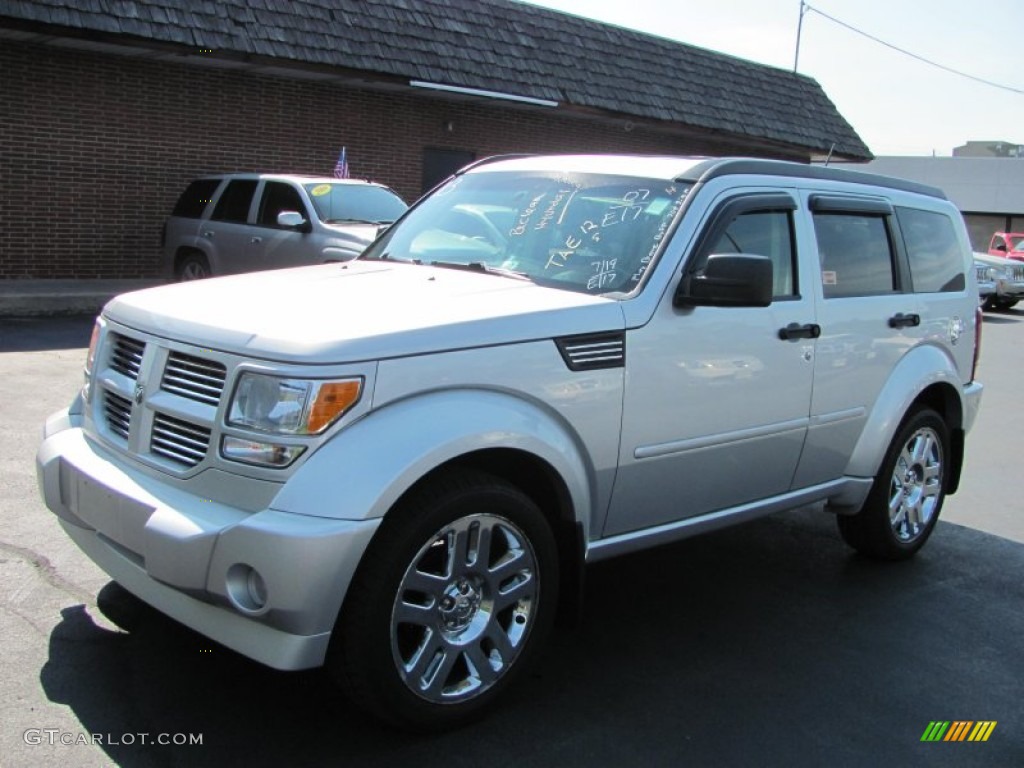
{"x":126,"y":356}
{"x":193,"y":377}
{"x":1018,"y":273}
{"x":118,"y":411}
{"x":179,"y":441}
{"x":982,"y":274}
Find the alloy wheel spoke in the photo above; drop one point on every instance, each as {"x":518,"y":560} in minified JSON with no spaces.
{"x":481,"y":664}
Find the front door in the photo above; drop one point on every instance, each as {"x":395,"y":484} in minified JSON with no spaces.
{"x":717,"y":398}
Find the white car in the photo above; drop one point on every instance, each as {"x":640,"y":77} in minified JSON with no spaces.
{"x":399,"y":466}
{"x":242,"y":222}
{"x":1000,"y":281}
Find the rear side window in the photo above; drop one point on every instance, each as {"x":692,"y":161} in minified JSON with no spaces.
{"x":936,"y":261}
{"x":856,"y":254}
{"x":195,"y":198}
{"x":234,"y":202}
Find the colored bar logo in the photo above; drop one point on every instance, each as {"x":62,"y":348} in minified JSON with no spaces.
{"x":958,"y":730}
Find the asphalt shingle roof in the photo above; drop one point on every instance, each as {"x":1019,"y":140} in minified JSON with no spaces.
{"x":491,"y":45}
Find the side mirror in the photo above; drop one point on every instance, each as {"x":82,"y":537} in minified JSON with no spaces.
{"x":293,"y":220}
{"x":727,"y":280}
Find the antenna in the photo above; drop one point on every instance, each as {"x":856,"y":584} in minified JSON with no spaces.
{"x":799,"y":29}
{"x":830,"y":151}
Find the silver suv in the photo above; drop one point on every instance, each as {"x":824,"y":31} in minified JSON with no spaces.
{"x":398,"y":466}
{"x":242,"y":222}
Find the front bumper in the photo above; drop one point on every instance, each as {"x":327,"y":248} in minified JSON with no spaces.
{"x":193,"y":558}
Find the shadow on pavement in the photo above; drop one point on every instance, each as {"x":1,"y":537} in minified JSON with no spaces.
{"x":767,"y":644}
{"x":32,"y":334}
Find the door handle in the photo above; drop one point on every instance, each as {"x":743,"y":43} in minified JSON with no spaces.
{"x":208,"y":233}
{"x":256,"y":240}
{"x":797,"y":331}
{"x":899,"y":320}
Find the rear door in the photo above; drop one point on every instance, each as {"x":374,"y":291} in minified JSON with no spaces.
{"x":891,"y":278}
{"x":226,"y":234}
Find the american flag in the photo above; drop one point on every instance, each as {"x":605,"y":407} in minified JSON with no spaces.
{"x":341,"y":167}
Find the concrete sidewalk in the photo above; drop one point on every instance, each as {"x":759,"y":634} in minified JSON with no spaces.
{"x":33,"y":298}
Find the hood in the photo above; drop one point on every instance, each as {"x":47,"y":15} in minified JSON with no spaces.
{"x":360,"y":310}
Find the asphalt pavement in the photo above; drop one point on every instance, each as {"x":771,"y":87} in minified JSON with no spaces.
{"x":768,"y":644}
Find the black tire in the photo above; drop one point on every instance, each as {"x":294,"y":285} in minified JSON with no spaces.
{"x":906,"y":498}
{"x":1004,"y":304}
{"x":453,"y":597}
{"x":192,"y":266}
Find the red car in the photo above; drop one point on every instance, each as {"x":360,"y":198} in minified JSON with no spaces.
{"x":1008,"y":244}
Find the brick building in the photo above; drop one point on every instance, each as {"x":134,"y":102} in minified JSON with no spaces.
{"x":110,"y":106}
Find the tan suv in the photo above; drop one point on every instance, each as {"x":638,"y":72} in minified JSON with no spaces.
{"x":242,"y":222}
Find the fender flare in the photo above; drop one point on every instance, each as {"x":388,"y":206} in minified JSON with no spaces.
{"x":363,"y":470}
{"x":922,"y":367}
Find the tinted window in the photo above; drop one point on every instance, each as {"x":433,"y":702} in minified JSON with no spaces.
{"x":234,"y":202}
{"x":855,"y":253}
{"x":341,"y":203}
{"x":936,"y":261}
{"x":764,"y":233}
{"x":278,"y":197}
{"x":194,"y":199}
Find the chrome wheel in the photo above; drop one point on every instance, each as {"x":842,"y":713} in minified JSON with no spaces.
{"x":463,"y":608}
{"x":916,"y":486}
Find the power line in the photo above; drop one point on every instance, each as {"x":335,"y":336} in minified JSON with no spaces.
{"x":804,"y":7}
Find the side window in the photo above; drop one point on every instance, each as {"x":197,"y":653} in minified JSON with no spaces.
{"x":764,"y":233}
{"x":195,"y":198}
{"x":999,"y":243}
{"x":234,"y":202}
{"x":856,"y":254}
{"x":277,"y":197}
{"x":936,"y":261}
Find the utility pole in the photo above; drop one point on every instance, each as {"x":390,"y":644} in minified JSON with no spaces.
{"x":799,"y":29}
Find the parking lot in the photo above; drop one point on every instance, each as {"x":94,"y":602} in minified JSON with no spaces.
{"x":766,"y":644}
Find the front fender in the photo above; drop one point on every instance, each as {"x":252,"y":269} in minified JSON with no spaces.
{"x":922,"y":367}
{"x":365,"y":469}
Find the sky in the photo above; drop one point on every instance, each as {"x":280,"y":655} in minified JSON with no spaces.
{"x":897,"y":104}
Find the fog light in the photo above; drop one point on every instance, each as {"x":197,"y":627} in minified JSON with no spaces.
{"x":260,"y":453}
{"x":246,"y":588}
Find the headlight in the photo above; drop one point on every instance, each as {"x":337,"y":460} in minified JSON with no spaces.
{"x":291,"y":406}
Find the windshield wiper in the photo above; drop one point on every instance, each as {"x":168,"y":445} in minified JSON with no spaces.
{"x":479,"y":266}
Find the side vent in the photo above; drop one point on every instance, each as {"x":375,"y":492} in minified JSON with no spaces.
{"x":593,"y":351}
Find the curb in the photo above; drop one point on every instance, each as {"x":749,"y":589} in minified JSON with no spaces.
{"x":40,"y":298}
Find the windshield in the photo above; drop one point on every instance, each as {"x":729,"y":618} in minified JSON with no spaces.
{"x":582,"y":232}
{"x":363,"y":203}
